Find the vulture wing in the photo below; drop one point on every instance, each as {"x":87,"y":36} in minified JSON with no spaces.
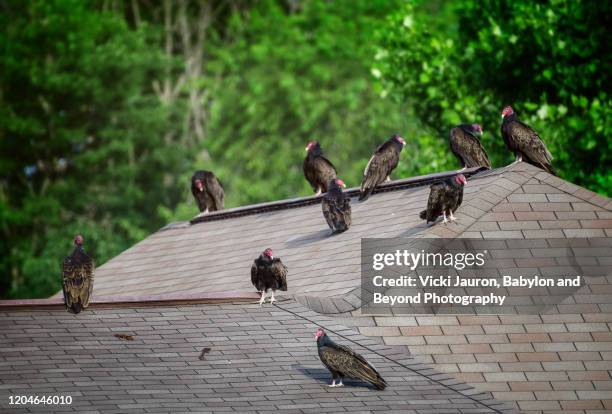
{"x":343,"y":360}
{"x":337,"y":213}
{"x":279,"y":270}
{"x":468,"y":149}
{"x":381,"y":164}
{"x":329,"y":212}
{"x":77,"y":280}
{"x":459,"y":198}
{"x":318,"y":170}
{"x":437,"y":193}
{"x":346,"y":212}
{"x":525,"y":140}
{"x":255,"y":276}
{"x":215,"y":191}
{"x":325,"y":171}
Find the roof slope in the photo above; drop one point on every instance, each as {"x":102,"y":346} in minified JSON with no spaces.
{"x":215,"y":256}
{"x":260,"y":360}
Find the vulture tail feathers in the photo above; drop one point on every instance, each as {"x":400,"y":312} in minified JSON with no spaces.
{"x":365,"y":194}
{"x":75,"y":308}
{"x":369,"y":374}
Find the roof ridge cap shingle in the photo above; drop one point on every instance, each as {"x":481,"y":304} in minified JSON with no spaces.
{"x":395,"y":185}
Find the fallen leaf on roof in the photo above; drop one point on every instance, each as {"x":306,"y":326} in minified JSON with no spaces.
{"x":204,"y":352}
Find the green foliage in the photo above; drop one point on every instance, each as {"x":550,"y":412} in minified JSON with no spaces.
{"x":288,"y":79}
{"x":82,"y":139}
{"x":550,"y":60}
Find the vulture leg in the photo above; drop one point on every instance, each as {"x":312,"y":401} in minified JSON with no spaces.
{"x":263,"y":297}
{"x":461,"y":170}
{"x":444,"y":217}
{"x":272,"y":300}
{"x":206,"y":211}
{"x":388,"y":178}
{"x":318,"y":191}
{"x":340,"y":384}
{"x":333,"y":384}
{"x":452,"y":218}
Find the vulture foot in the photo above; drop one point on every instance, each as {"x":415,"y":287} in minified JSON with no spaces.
{"x":452,"y":218}
{"x":263,"y":298}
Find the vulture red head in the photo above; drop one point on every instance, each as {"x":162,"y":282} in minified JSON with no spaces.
{"x":477,"y":128}
{"x":78,"y":240}
{"x":340,"y":183}
{"x":311,"y":145}
{"x":399,"y":139}
{"x":460,"y":179}
{"x":268,"y":253}
{"x":507,"y":111}
{"x":320,"y":332}
{"x":199,"y":184}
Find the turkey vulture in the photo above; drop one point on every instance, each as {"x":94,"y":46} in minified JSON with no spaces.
{"x":445,"y":197}
{"x":466,"y":146}
{"x":77,"y":277}
{"x":318,"y":170}
{"x":207,"y":190}
{"x":342,"y":362}
{"x":381,"y":164}
{"x":337,"y":207}
{"x":268,"y":273}
{"x":525,"y":142}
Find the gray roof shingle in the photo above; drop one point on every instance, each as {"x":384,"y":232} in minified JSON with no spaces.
{"x":261,"y":359}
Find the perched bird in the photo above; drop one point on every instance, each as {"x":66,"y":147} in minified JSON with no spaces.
{"x":207,"y":190}
{"x":268,"y":273}
{"x":525,"y":142}
{"x":381,"y":164}
{"x":336,"y":207}
{"x":77,"y":277}
{"x":318,"y":170}
{"x":445,"y":197}
{"x":465,"y":144}
{"x":342,"y":362}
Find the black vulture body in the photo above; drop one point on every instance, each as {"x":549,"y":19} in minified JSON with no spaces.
{"x":466,"y":146}
{"x":336,"y":208}
{"x":318,"y":170}
{"x":342,"y":362}
{"x":268,"y":274}
{"x":445,"y":197}
{"x":380,"y":165}
{"x":210,"y":194}
{"x":77,"y":280}
{"x":525,"y":142}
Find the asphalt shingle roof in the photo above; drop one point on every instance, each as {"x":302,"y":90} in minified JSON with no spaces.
{"x":559,"y":361}
{"x":261,"y":359}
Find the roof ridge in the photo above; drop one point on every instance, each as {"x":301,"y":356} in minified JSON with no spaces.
{"x":395,"y":185}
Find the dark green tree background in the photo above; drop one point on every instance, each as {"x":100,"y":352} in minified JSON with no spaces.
{"x":107,"y":107}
